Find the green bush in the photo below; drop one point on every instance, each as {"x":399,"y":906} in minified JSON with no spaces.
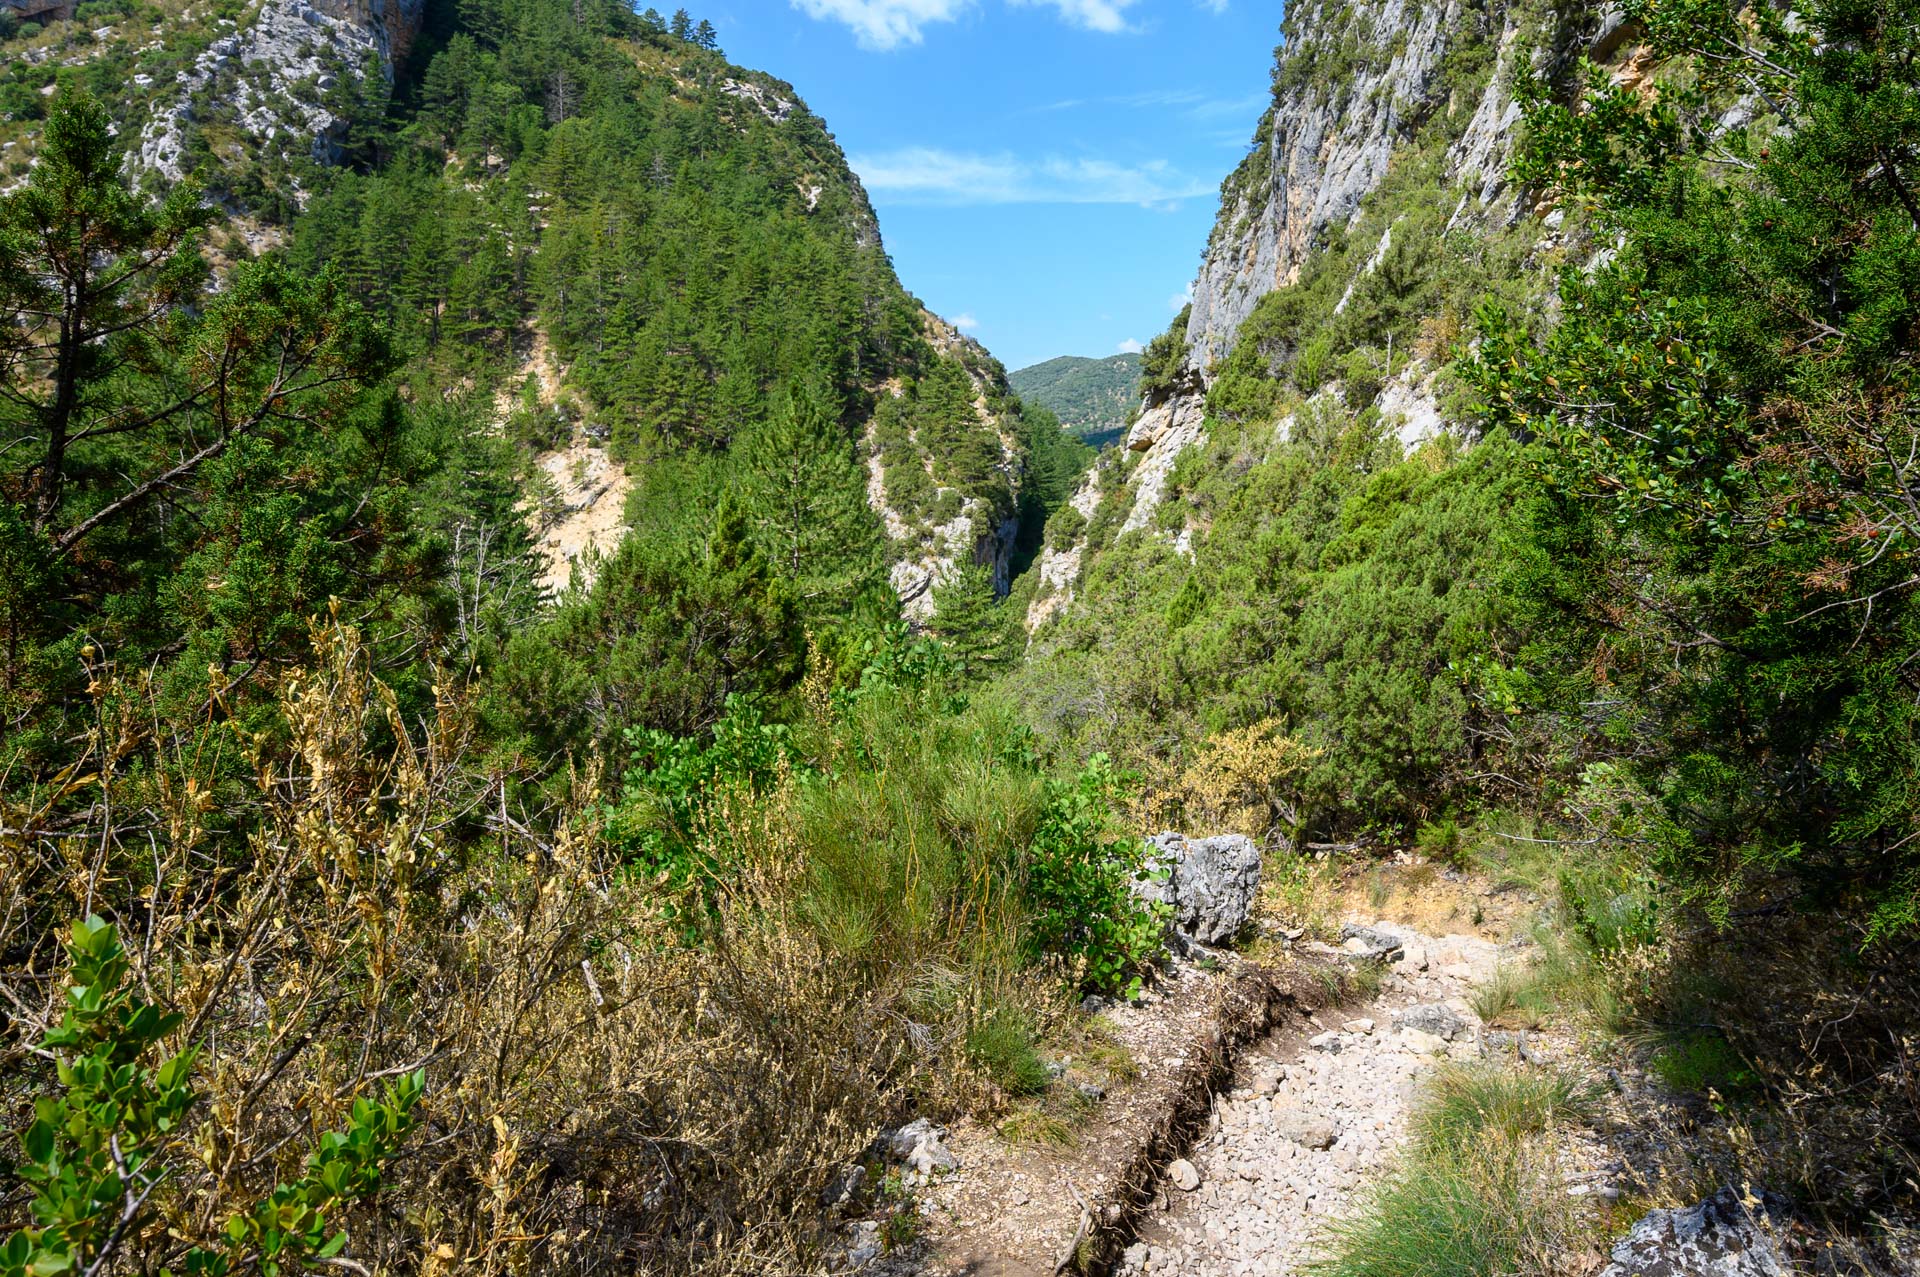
{"x":1065,"y":527}
{"x":671,"y":779}
{"x":1080,"y":876}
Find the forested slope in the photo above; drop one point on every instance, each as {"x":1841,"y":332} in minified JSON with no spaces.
{"x":1520,"y":488}
{"x":1095,"y":398}
{"x":425,"y":853}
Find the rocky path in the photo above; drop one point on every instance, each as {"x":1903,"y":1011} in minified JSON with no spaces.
{"x":1315,"y":1116}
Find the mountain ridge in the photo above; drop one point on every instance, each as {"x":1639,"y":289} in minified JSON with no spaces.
{"x":1094,"y":396}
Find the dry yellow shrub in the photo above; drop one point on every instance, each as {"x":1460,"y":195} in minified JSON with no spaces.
{"x":1240,"y":781}
{"x":616,"y":1081}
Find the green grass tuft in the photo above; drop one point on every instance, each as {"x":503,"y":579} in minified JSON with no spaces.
{"x":1444,"y":1216}
{"x":1702,"y":1062}
{"x":1001,"y":1046}
{"x":1472,"y":1199}
{"x":1467,"y":1104}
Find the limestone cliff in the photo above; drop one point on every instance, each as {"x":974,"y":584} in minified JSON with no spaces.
{"x":1359,"y":92}
{"x":275,"y":75}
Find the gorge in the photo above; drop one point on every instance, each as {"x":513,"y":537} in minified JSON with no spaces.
{"x":558,"y":718}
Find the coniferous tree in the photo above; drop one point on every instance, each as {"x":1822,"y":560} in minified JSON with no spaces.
{"x":977,"y":629}
{"x":806,"y":498}
{"x":682,"y":27}
{"x":87,"y":269}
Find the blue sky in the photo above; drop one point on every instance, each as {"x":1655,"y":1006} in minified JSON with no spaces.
{"x":1046,"y":171}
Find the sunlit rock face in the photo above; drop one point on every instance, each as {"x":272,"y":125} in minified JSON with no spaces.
{"x":1352,"y":85}
{"x":280,"y":67}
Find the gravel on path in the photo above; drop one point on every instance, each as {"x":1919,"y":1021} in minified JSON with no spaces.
{"x":1313,"y":1120}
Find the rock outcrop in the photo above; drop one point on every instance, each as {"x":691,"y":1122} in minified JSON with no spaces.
{"x":1321,"y":148}
{"x":1730,"y":1234}
{"x":280,"y":67}
{"x":924,"y":557}
{"x":1352,"y":86}
{"x":1208,"y":883}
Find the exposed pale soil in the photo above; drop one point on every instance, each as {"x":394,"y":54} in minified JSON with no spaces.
{"x":592,"y":490}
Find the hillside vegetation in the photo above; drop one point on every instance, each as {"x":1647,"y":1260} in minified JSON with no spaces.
{"x":1094,"y":398}
{"x":364,"y":905}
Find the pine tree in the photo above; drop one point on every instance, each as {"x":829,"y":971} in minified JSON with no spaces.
{"x":976,"y":628}
{"x":705,"y":37}
{"x":682,"y":27}
{"x":82,"y":259}
{"x":806,"y":496}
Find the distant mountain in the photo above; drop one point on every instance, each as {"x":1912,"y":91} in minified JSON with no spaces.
{"x":1092,"y":397}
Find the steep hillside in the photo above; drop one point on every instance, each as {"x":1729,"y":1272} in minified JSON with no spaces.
{"x":1371,"y":215}
{"x":330,"y":351}
{"x":678,"y":236}
{"x":1094,"y":398}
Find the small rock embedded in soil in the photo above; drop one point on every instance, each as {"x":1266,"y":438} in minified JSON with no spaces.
{"x":1303,"y":1128}
{"x":1183,"y":1175}
{"x":1369,"y":942}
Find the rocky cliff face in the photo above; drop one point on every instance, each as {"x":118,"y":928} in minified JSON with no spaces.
{"x":275,"y":75}
{"x":926,"y":553}
{"x":1350,"y":87}
{"x":1357,"y":90}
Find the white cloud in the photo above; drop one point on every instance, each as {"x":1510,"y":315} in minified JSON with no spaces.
{"x":884,"y":24}
{"x":1109,"y":16}
{"x":1214,"y":6}
{"x":965,"y":321}
{"x":1179,"y":299}
{"x":931,"y":175}
{"x":1130,"y":346}
{"x":1189,"y":104}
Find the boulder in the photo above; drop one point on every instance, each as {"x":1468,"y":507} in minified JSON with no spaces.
{"x":1209,"y":883}
{"x":1731,"y":1234}
{"x":1436,"y":1018}
{"x":1370,"y":942}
